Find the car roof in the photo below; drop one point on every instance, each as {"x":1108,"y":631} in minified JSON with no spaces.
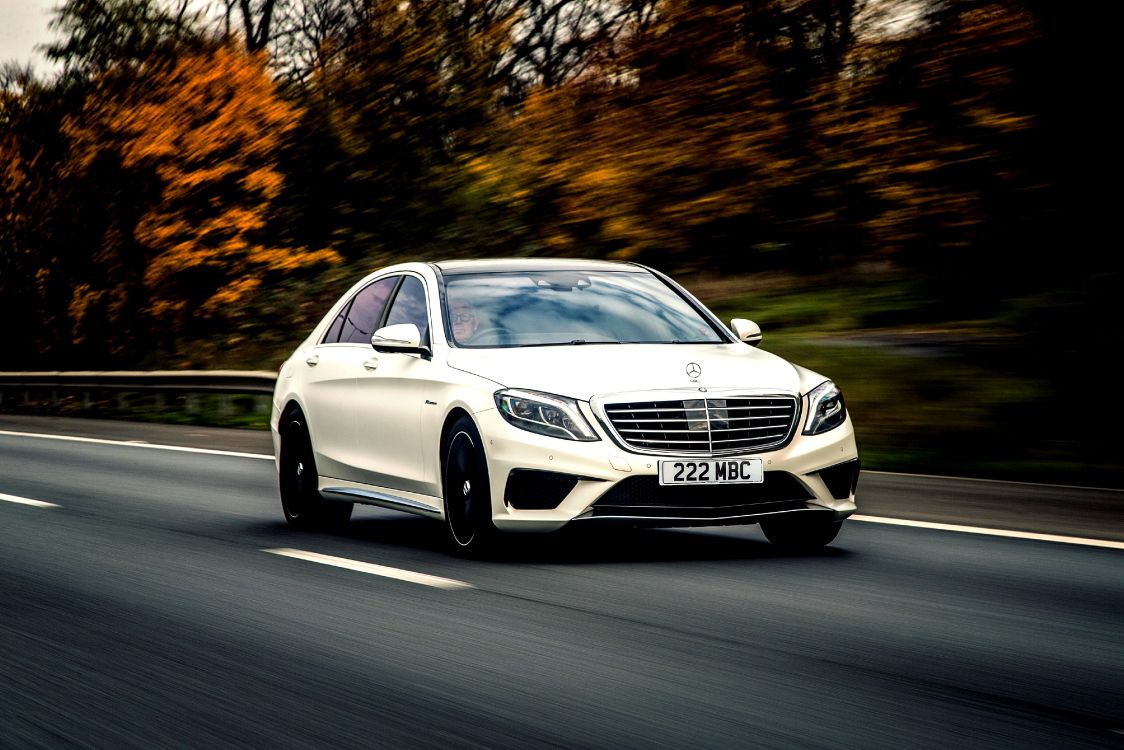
{"x":515,"y":265}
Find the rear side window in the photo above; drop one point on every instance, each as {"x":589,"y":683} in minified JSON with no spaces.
{"x":409,"y":306}
{"x":360,"y":317}
{"x":333,"y":334}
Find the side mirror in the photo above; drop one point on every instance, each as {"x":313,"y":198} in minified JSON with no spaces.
{"x":403,"y":337}
{"x":746,"y":330}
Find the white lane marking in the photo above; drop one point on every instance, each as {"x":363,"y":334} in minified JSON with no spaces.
{"x":26,"y":501}
{"x":992,"y":532}
{"x":135,"y":444}
{"x":995,"y":481}
{"x":378,"y":570}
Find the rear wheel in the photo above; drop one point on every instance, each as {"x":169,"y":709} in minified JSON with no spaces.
{"x":801,"y":531}
{"x":300,"y":497}
{"x":468,"y":495}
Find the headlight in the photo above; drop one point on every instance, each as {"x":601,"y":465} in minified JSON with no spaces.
{"x":826,"y":409}
{"x":555,"y":416}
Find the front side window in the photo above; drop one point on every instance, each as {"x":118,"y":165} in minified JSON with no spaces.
{"x":547,"y":308}
{"x":361,"y":316}
{"x":409,"y":306}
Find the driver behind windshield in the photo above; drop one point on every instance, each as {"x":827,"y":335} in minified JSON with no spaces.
{"x":464,"y":321}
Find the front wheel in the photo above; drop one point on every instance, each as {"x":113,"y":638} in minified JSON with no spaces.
{"x":800,"y":532}
{"x":301,"y":501}
{"x":468,"y":495}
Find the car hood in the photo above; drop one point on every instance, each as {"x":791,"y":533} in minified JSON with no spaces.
{"x":585,"y":371}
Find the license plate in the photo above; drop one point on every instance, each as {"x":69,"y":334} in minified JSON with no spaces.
{"x":712,"y":471}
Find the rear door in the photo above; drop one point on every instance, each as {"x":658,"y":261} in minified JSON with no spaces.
{"x":331,"y":369}
{"x":391,"y":403}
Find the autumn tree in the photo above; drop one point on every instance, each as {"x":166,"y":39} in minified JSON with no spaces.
{"x":200,"y":140}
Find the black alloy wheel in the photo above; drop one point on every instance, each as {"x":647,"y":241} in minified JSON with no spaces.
{"x":301,"y":501}
{"x":800,"y":531}
{"x":468,"y":496}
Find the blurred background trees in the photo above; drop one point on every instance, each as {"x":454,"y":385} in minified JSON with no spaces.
{"x":899,"y":190}
{"x":185,"y":170}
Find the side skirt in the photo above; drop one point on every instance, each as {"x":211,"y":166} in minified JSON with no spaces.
{"x":333,"y":489}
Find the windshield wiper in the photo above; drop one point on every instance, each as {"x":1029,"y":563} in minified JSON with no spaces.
{"x":574,"y":342}
{"x":579,"y":342}
{"x":586,"y":342}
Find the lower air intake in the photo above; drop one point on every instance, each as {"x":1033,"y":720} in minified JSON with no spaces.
{"x":531,"y":489}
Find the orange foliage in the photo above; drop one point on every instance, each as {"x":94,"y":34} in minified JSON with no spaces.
{"x":208,"y":130}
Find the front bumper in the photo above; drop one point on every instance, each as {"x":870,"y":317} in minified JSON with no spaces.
{"x":616,"y":485}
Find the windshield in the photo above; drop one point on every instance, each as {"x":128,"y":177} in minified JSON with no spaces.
{"x":550,"y":308}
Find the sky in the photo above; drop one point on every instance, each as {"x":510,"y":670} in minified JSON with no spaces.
{"x":23,"y":24}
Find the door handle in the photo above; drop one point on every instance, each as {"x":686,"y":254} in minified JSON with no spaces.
{"x":312,"y":360}
{"x":372,"y":363}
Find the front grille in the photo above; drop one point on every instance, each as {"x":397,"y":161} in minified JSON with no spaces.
{"x":713,"y":426}
{"x":644,"y":496}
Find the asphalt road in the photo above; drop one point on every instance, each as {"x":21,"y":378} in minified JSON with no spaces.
{"x":142,"y":611}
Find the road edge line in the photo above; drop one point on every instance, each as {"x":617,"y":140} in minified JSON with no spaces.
{"x":984,"y":531}
{"x":134,"y":444}
{"x":993,"y":481}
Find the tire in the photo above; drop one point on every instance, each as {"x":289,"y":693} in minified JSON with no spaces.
{"x":468,"y":496}
{"x":799,"y":532}
{"x":301,"y":501}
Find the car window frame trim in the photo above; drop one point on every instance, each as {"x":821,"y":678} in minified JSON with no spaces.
{"x":347,"y":308}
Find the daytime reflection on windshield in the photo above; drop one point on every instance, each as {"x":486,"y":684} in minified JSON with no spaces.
{"x":547,"y":308}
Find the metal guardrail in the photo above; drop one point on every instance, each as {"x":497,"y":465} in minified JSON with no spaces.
{"x":129,"y":392}
{"x":196,"y":381}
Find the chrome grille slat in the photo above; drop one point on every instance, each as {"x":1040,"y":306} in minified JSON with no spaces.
{"x":676,"y":442}
{"x":707,"y":426}
{"x":746,"y":440}
{"x":748,"y":408}
{"x":654,"y":421}
{"x":694,"y":432}
{"x":739,"y":430}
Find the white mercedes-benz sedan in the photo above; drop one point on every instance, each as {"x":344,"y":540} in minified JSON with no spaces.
{"x":525,"y":395}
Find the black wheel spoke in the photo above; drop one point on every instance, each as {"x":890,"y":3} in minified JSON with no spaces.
{"x":298,"y":480}
{"x":467,"y":495}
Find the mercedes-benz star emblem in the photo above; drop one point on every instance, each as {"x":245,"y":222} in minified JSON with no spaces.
{"x":693,"y":370}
